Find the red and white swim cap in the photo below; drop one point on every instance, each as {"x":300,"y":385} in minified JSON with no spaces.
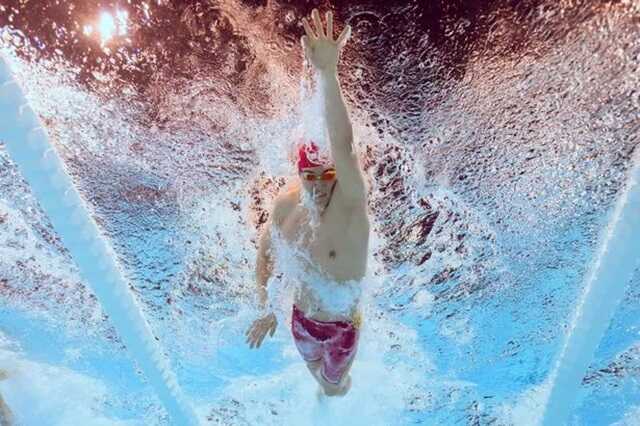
{"x":309,"y":156}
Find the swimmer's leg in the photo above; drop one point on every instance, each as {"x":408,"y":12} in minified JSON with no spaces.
{"x":6,"y":417}
{"x":328,"y":388}
{"x":344,"y":383}
{"x":314,"y":368}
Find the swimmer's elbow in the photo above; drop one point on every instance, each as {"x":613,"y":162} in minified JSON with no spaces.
{"x":264,"y":263}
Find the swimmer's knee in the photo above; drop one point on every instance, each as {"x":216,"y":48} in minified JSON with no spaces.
{"x":336,"y":389}
{"x":314,"y":364}
{"x":314,"y":367}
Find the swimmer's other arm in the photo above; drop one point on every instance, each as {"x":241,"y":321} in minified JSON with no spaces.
{"x":264,"y":265}
{"x":267,"y":323}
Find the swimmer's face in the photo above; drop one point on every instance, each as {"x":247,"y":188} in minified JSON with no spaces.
{"x":318,"y":181}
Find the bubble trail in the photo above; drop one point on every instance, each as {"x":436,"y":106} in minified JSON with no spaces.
{"x":28,"y":145}
{"x":616,"y":259}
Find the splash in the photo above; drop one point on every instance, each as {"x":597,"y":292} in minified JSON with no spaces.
{"x":488,"y":179}
{"x":605,"y":286}
{"x":35,"y":390}
{"x":29,"y":147}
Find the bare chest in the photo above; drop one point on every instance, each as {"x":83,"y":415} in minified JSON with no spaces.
{"x":335,"y":243}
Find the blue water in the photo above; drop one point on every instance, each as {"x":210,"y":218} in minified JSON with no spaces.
{"x":524,"y":163}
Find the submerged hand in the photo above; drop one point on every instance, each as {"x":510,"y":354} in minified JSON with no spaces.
{"x":319,"y":45}
{"x":259,"y":329}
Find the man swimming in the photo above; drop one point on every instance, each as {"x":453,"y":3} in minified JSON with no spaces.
{"x":325,"y":221}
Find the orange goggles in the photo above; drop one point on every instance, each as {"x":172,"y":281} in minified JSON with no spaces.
{"x":329,"y":174}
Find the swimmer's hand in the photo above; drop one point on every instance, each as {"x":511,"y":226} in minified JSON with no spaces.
{"x":259,"y":329}
{"x":320,"y":48}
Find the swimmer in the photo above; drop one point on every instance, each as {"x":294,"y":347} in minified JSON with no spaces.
{"x":326,"y":218}
{"x":6,"y":418}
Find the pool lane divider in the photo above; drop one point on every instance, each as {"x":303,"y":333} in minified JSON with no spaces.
{"x":612,"y":269}
{"x":28,"y":146}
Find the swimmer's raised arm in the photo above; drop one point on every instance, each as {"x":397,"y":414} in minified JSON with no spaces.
{"x":323,"y":51}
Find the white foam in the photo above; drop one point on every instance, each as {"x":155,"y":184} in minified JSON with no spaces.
{"x":528,"y":407}
{"x":295,"y":271}
{"x":630,"y":418}
{"x":36,"y":391}
{"x":611,"y":271}
{"x":290,"y":396}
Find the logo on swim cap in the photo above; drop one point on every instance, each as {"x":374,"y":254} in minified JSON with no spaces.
{"x":309,"y":156}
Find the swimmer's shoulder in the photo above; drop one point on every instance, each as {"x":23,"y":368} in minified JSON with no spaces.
{"x":284,"y":204}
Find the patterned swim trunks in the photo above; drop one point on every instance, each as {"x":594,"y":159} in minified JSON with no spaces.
{"x":334,"y":343}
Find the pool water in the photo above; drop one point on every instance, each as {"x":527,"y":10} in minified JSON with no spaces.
{"x":497,"y":140}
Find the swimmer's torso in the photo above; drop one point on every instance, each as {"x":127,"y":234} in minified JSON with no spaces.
{"x":337,"y":248}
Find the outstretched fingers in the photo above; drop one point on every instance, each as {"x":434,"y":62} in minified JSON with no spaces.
{"x":330,"y":25}
{"x":256,"y":338}
{"x":252,"y":334}
{"x":344,"y":35}
{"x":315,"y":15}
{"x":250,"y":329}
{"x":317,"y":30}
{"x":307,"y":29}
{"x":265,"y":331}
{"x":261,"y":338}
